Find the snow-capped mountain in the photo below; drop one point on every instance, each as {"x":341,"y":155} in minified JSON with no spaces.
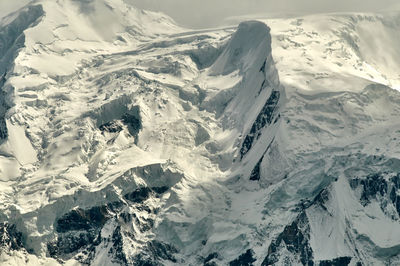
{"x":126,"y":139}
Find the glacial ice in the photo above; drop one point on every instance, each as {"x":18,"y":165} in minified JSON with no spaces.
{"x":128,"y":139}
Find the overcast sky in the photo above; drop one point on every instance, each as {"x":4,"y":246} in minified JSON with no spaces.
{"x":7,"y":6}
{"x":206,"y":13}
{"x":201,"y":13}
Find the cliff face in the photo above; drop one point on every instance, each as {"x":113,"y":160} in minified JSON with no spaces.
{"x":128,"y":140}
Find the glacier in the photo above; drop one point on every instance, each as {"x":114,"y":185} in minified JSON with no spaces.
{"x":126,"y":139}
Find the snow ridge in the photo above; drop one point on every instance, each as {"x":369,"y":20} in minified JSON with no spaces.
{"x":146,"y":143}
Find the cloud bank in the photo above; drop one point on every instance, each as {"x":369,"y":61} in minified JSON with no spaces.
{"x":205,"y":13}
{"x":8,"y":6}
{"x":208,"y":13}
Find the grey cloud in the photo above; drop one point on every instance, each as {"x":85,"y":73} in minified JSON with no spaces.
{"x":8,"y":6}
{"x":203,"y":13}
{"x":206,"y":13}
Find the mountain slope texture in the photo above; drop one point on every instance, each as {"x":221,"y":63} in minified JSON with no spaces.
{"x":126,"y":139}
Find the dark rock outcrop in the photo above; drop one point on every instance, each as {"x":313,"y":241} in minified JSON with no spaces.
{"x":341,"y":261}
{"x":10,"y":237}
{"x":246,"y":259}
{"x":133,"y":121}
{"x":79,"y":219}
{"x":295,"y":239}
{"x":117,"y":246}
{"x":209,"y":260}
{"x":111,"y":127}
{"x":377,"y":187}
{"x":153,"y":253}
{"x":141,"y":194}
{"x":78,"y":232}
{"x":80,"y":229}
{"x":71,"y":242}
{"x":264,"y":118}
{"x":3,"y":110}
{"x":255,"y":173}
{"x":12,"y":39}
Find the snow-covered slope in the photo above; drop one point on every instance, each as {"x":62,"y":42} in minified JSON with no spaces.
{"x":128,"y":140}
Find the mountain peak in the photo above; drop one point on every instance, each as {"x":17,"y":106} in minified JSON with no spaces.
{"x":69,"y":31}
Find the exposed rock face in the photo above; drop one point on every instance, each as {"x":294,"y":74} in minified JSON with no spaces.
{"x":133,"y":122}
{"x":336,"y":262}
{"x":210,"y":260}
{"x":246,"y":259}
{"x":263,"y":119}
{"x":111,"y":127}
{"x":381,"y":187}
{"x":80,"y":232}
{"x":10,"y":238}
{"x":3,"y":110}
{"x":294,"y":240}
{"x":12,"y":39}
{"x":293,"y":245}
{"x":12,"y":36}
{"x":79,"y":229}
{"x":255,"y":173}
